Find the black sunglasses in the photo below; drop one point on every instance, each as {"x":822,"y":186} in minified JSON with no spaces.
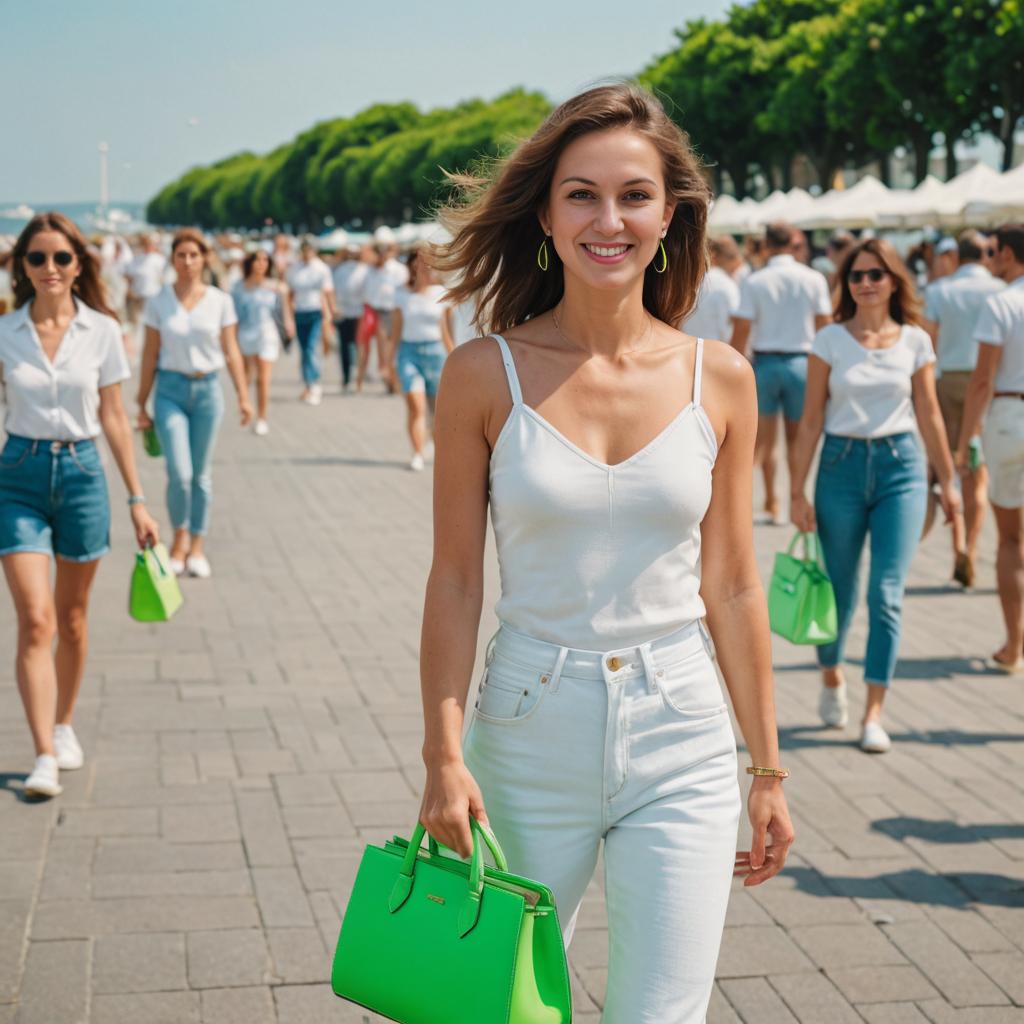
{"x":63,"y":258}
{"x":874,"y":275}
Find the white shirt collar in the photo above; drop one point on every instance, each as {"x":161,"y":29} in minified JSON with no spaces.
{"x":83,"y":318}
{"x":972,"y":270}
{"x":779,"y":258}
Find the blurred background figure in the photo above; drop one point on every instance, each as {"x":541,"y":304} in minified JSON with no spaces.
{"x":719,"y":296}
{"x":946,"y":258}
{"x":145,"y":274}
{"x":350,"y":274}
{"x":382,"y":283}
{"x":6,"y":288}
{"x":311,"y":306}
{"x":801,"y":247}
{"x":283,"y":255}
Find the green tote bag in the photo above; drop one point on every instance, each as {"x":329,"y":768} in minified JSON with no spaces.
{"x":801,"y":602}
{"x":428,"y":939}
{"x":154,"y":595}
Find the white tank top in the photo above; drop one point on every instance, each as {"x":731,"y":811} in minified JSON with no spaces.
{"x":592,"y":556}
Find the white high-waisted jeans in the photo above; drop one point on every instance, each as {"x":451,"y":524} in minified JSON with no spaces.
{"x":633,"y":747}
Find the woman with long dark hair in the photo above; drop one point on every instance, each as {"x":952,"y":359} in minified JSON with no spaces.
{"x":62,"y":362}
{"x":870,"y":387}
{"x":622,"y":519}
{"x":190,"y":336}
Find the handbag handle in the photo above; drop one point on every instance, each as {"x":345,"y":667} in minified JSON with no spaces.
{"x":470,"y":912}
{"x":812,"y":547}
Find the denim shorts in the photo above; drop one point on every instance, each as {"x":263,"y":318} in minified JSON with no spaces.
{"x":419,"y":365}
{"x":53,"y":500}
{"x":781,"y":381}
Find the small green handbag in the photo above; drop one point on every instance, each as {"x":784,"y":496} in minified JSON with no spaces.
{"x":151,"y":442}
{"x":154,"y":595}
{"x":428,"y":939}
{"x":801,"y":602}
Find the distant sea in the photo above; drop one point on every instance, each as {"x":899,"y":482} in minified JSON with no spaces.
{"x":122,"y":217}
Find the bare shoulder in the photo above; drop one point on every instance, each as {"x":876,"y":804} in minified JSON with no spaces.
{"x":725,"y":367}
{"x":729,"y":394}
{"x":474,"y":374}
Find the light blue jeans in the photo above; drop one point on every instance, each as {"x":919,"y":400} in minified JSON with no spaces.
{"x":308,"y":329}
{"x":633,"y":748}
{"x":187,"y":412}
{"x":873,"y":489}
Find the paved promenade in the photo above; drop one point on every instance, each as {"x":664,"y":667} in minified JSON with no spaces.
{"x":239,"y":759}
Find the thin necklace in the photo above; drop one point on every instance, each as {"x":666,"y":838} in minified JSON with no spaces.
{"x":573,"y":344}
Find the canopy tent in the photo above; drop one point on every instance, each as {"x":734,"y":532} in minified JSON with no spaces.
{"x":854,"y":207}
{"x":729,"y":216}
{"x":1004,"y":202}
{"x":912,"y":208}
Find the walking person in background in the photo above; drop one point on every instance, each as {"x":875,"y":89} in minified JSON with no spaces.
{"x":190,"y":336}
{"x":951,"y":308}
{"x":311,"y":307}
{"x":870,"y":381}
{"x":719,"y":296}
{"x":781,"y":307}
{"x":260,"y":305}
{"x":997,"y":387}
{"x":382,"y":283}
{"x":421,"y":336}
{"x":350,"y":273}
{"x":62,"y":362}
{"x":145,"y":275}
{"x":600,"y":720}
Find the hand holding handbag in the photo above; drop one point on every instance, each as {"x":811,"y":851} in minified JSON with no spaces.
{"x":428,"y":939}
{"x":154,"y":595}
{"x":801,"y":601}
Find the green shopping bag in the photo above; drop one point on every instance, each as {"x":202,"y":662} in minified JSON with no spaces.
{"x":151,"y":443}
{"x":428,"y":939}
{"x":154,"y":595}
{"x":801,"y":602}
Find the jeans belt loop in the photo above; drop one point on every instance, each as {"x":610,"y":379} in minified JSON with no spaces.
{"x":556,"y":672}
{"x":489,"y":654}
{"x":647,"y":657}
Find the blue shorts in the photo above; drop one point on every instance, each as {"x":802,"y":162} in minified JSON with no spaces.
{"x":53,"y":500}
{"x":419,"y":365}
{"x":781,"y":382}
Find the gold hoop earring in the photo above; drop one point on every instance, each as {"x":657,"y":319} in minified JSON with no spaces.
{"x":542,"y":255}
{"x":664,"y":259}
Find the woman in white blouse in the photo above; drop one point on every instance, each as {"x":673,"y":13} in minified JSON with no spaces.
{"x":871,"y":386}
{"x":190,"y":335}
{"x":62,"y":361}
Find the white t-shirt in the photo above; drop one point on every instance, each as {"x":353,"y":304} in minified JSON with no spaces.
{"x":308,"y":281}
{"x":717,"y":303}
{"x":383,"y":282}
{"x":146,"y":273}
{"x":421,"y":313}
{"x":349,"y":286}
{"x":59,"y":401}
{"x":869,"y":389}
{"x":190,"y":339}
{"x":954,"y":303}
{"x":781,"y":300}
{"x":1002,"y":323}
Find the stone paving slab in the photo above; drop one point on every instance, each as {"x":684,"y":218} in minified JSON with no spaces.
{"x":239,"y":758}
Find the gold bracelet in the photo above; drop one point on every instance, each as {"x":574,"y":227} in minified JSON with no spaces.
{"x":775,"y":773}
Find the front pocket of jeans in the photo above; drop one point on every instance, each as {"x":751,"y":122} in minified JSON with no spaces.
{"x":833,"y":452}
{"x":15,"y":459}
{"x":690,"y":687}
{"x":507,"y":697}
{"x":90,"y":465}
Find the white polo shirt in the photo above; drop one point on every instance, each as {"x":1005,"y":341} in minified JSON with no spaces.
{"x":717,"y":303}
{"x":1002,"y":323}
{"x":308,"y":281}
{"x":954,"y":303}
{"x":781,"y":300}
{"x":59,"y":401}
{"x":190,"y":339}
{"x":383,"y":282}
{"x":349,"y":286}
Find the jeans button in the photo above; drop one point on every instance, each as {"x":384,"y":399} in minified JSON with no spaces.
{"x":614,"y":664}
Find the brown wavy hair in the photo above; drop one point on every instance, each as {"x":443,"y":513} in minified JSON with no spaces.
{"x":904,"y":305}
{"x":183,"y":235}
{"x":496,"y":230}
{"x":88,"y":286}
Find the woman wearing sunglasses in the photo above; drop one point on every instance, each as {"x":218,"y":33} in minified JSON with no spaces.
{"x":871,"y":386}
{"x":62,"y":361}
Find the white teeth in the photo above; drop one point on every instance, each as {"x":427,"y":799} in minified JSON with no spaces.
{"x":607,"y":250}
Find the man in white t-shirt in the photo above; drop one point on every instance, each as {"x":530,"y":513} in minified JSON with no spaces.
{"x":311,"y":300}
{"x":145,"y":276}
{"x":382,"y":283}
{"x":999,"y":378}
{"x":719,"y":296}
{"x":350,"y":274}
{"x":952,"y":305}
{"x":782,"y":306}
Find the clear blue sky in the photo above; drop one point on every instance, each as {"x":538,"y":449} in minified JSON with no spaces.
{"x":134,"y":73}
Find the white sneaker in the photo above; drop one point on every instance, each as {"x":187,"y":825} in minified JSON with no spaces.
{"x":261,"y":429}
{"x":177,"y":566}
{"x":874,"y":739}
{"x":67,"y":748}
{"x":832,"y":705}
{"x":44,"y":778}
{"x":416,"y":463}
{"x":198,"y":566}
{"x":316,"y":394}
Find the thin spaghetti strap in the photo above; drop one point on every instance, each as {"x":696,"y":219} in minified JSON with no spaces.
{"x":510,"y":370}
{"x":697,"y":366}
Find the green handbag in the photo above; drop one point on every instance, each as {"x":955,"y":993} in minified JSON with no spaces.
{"x":154,"y":595}
{"x":801,"y":602}
{"x":151,"y":442}
{"x":428,"y":939}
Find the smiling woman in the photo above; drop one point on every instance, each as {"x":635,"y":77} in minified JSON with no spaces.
{"x":615,"y":453}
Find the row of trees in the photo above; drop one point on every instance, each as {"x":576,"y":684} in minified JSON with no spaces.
{"x":838,"y":82}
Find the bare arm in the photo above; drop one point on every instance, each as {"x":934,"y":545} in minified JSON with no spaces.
{"x":740,"y":334}
{"x":329,"y":309}
{"x":822,"y":320}
{"x":734,"y":598}
{"x":147,"y":373}
{"x":979,"y":393}
{"x":236,"y":369}
{"x":396,"y":332}
{"x":932,"y":329}
{"x":447,"y":335}
{"x":807,"y":435}
{"x":118,"y":432}
{"x":933,"y":433}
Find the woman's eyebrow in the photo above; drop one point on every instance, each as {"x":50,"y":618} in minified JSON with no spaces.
{"x":587,"y":181}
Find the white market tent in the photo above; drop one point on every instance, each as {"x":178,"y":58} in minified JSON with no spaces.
{"x":1004,"y":201}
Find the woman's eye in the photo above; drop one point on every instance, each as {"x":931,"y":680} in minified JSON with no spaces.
{"x":580,"y":193}
{"x":637,"y":196}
